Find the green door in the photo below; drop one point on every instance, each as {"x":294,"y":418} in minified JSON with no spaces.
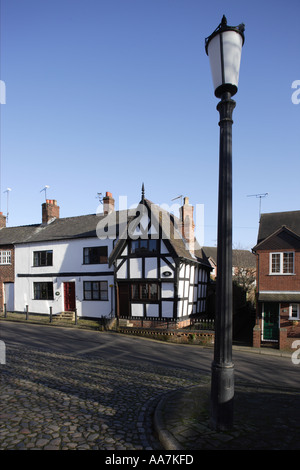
{"x":271,"y":318}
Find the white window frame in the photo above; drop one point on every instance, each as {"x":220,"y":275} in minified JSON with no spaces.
{"x":281,"y":256}
{"x":5,"y":256}
{"x":291,"y":317}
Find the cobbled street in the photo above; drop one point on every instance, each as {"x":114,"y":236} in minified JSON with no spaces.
{"x":59,"y":402}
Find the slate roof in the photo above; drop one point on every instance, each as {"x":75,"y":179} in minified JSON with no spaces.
{"x":239,"y":257}
{"x":271,"y":222}
{"x":13,"y":235}
{"x":59,"y":229}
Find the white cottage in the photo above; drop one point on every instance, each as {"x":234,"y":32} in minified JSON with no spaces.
{"x":135,"y":265}
{"x":62,"y":266}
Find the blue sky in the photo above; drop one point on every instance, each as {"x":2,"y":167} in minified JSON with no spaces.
{"x":103,"y":95}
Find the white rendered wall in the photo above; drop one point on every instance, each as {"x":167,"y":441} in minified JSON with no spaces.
{"x":67,"y":258}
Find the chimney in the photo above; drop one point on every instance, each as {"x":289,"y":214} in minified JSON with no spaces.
{"x":50,"y":210}
{"x":2,"y":220}
{"x":187,"y":224}
{"x":108,"y":203}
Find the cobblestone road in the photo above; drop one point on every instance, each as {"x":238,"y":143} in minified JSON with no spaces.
{"x":59,"y":402}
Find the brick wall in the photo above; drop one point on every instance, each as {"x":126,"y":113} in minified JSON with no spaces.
{"x":289,"y":329}
{"x":277,"y":282}
{"x":50,"y":210}
{"x":156,"y":323}
{"x":7,"y":272}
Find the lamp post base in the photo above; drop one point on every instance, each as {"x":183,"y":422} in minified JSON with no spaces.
{"x":222,"y":396}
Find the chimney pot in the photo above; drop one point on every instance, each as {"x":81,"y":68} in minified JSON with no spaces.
{"x":108,"y":203}
{"x":50,"y":210}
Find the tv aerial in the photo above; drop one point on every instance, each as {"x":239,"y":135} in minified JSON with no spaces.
{"x":100,"y":197}
{"x":7,"y":191}
{"x":260,"y":196}
{"x":178,"y":197}
{"x":45,"y":189}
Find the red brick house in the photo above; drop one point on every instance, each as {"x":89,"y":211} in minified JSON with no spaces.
{"x":278,"y":280}
{"x":6,"y":269}
{"x":9,"y":236}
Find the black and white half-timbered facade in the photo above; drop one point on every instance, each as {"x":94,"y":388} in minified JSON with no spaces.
{"x":158,"y":276}
{"x":140,"y":265}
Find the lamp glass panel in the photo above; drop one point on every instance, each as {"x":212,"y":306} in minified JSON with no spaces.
{"x":214,"y":54}
{"x":232,"y":49}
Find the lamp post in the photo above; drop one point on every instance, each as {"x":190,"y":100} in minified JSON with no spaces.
{"x":224,"y":48}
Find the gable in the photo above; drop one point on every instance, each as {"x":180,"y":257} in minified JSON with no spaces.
{"x":149,"y":221}
{"x":282,"y":239}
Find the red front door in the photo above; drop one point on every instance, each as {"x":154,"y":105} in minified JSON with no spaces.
{"x":69,"y":293}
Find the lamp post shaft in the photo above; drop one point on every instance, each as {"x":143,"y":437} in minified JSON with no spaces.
{"x":222,"y":379}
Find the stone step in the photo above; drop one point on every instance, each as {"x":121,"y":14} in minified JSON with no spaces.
{"x":124,"y":322}
{"x":69,"y":316}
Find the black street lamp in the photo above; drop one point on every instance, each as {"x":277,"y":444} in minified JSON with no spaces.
{"x":224,"y":47}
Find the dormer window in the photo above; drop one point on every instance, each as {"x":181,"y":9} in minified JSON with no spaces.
{"x":282,"y":263}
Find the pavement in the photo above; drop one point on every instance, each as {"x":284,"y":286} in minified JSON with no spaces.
{"x":52,"y":401}
{"x":265,"y":417}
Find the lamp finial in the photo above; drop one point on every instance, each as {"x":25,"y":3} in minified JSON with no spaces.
{"x":224,"y":21}
{"x":143,"y":192}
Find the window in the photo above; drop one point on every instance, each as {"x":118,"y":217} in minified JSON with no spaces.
{"x":43,"y":291}
{"x":282,"y":263}
{"x":144,"y":291}
{"x":42,"y":258}
{"x":288,"y":262}
{"x":5,"y":257}
{"x":294,"y":312}
{"x":95,"y":290}
{"x":95,"y":255}
{"x":143,"y":246}
{"x":275,"y":263}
